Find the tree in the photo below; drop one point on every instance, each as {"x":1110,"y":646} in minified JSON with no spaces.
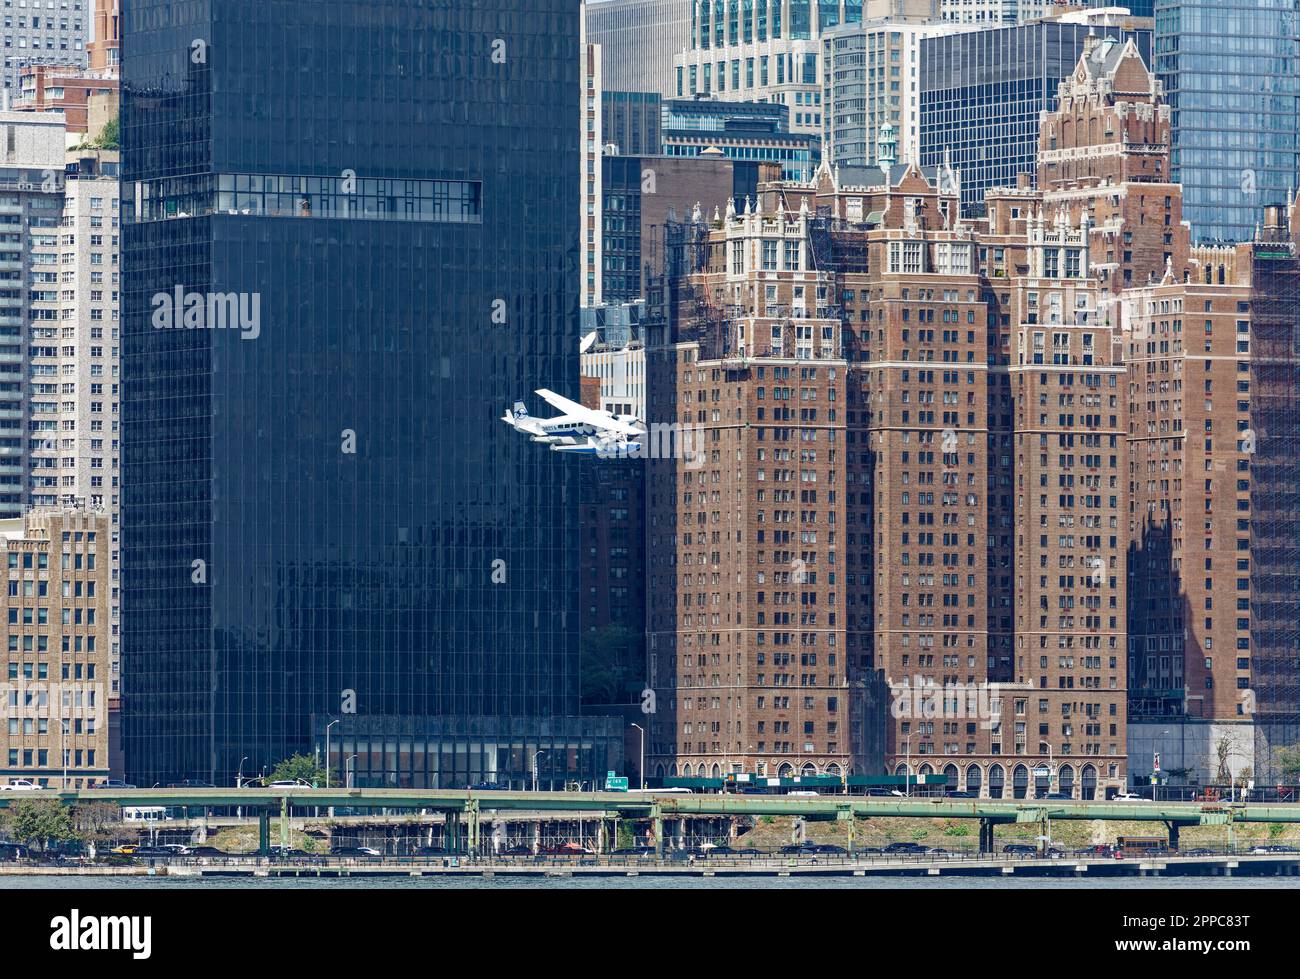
{"x":298,"y":768}
{"x":97,"y":822}
{"x":42,"y":821}
{"x":1288,"y":761}
{"x":109,"y":137}
{"x":1224,"y":748}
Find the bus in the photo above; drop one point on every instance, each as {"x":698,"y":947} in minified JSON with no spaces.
{"x":670,"y":790}
{"x":145,"y":814}
{"x":1141,"y":844}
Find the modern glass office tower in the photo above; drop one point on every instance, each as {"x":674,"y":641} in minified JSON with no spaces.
{"x":1231,"y":73}
{"x":374,"y":208}
{"x":982,"y":93}
{"x":638,"y":39}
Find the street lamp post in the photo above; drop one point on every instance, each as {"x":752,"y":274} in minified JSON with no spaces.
{"x":907,"y":767}
{"x":642,"y":768}
{"x":239,"y":784}
{"x":63,"y":748}
{"x":536,"y":755}
{"x":348,"y":766}
{"x":328,"y":763}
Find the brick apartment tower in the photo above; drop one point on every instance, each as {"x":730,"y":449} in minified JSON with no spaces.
{"x":1104,"y":153}
{"x":747,"y":630}
{"x":105,"y":50}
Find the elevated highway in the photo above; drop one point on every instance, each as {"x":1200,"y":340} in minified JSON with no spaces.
{"x":464,"y":807}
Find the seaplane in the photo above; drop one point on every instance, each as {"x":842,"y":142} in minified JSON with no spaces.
{"x":586,"y":431}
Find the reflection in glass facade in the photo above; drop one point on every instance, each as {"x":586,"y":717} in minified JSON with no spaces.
{"x":441,"y":752}
{"x":982,"y":93}
{"x":1231,"y":73}
{"x":329,"y":520}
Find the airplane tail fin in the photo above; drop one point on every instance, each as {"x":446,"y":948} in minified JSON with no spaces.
{"x":520,"y":410}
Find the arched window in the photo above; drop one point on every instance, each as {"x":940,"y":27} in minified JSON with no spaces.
{"x":785,"y":771}
{"x":833,"y":769}
{"x":1067,"y":780}
{"x":1089,"y":783}
{"x":717,"y":771}
{"x":687,"y":770}
{"x":973,"y":778}
{"x":1019,"y":782}
{"x":997,"y":779}
{"x":950,"y":773}
{"x":808,"y":769}
{"x":659,"y":771}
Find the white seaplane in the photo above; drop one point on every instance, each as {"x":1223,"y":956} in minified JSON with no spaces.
{"x":587,"y":431}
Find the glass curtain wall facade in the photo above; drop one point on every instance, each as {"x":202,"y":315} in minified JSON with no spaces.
{"x":638,"y":39}
{"x":760,"y":51}
{"x":982,"y":93}
{"x":323,"y":515}
{"x":1231,"y":74}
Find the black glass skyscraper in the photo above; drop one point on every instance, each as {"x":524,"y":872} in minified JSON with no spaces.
{"x":349,"y":238}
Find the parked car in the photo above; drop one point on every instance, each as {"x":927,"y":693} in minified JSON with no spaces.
{"x":114,"y":783}
{"x":126,"y":849}
{"x":1128,"y":797}
{"x":1273,"y":848}
{"x":289,"y":783}
{"x":354,"y":851}
{"x":802,"y":792}
{"x":20,"y":785}
{"x":524,"y":850}
{"x":207,"y":851}
{"x":1199,"y":851}
{"x":623,"y":851}
{"x":965,"y":794}
{"x":1058,"y":796}
{"x":1020,"y":849}
{"x":190,"y":783}
{"x":152,"y":853}
{"x":903,"y":848}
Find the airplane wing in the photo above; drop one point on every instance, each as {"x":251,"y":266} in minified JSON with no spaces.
{"x":600,"y":419}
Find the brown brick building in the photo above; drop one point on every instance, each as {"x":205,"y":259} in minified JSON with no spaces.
{"x":57,"y":607}
{"x":1104,"y":154}
{"x":1034,"y":507}
{"x":747,"y":640}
